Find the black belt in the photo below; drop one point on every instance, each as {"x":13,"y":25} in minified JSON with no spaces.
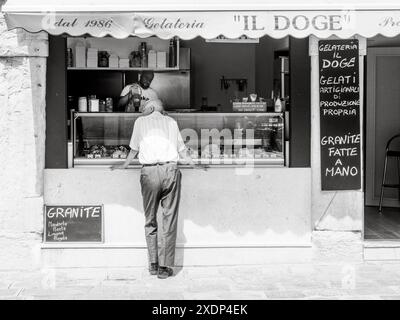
{"x":157,"y":164}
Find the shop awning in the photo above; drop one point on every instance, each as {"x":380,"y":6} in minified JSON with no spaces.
{"x":209,"y":19}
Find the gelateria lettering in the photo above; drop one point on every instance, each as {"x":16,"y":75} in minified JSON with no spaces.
{"x":340,"y":112}
{"x":73,"y":223}
{"x":89,"y":23}
{"x":324,"y":80}
{"x":341,"y":171}
{"x":337,"y":47}
{"x":57,"y":236}
{"x":250,"y":21}
{"x":339,"y":63}
{"x":151,"y":23}
{"x":339,"y":99}
{"x":57,"y":225}
{"x":340,"y":103}
{"x":302,"y":22}
{"x":74,"y":212}
{"x":64,"y":23}
{"x":340,"y":89}
{"x":345,"y":139}
{"x":389,"y":22}
{"x":342,"y":152}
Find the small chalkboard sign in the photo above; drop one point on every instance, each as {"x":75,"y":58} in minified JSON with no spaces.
{"x":73,"y":223}
{"x":339,"y":92}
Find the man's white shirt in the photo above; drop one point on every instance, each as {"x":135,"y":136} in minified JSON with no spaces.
{"x":157,"y":138}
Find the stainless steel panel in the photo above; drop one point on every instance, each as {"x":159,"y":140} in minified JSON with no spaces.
{"x":173,"y":88}
{"x":184,"y":58}
{"x":287,"y":132}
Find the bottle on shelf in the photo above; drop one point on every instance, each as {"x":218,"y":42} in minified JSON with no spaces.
{"x":70,"y":58}
{"x":283,"y":101}
{"x":109,"y":104}
{"x":171,"y":54}
{"x":102,"y":105}
{"x":135,"y":59}
{"x":278,"y":104}
{"x":103,"y":57}
{"x":143,"y":55}
{"x":270,"y":102}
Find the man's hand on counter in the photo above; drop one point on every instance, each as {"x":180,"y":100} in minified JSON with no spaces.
{"x":201,"y":166}
{"x":118,"y":166}
{"x":132,"y":154}
{"x":186,"y":160}
{"x":193,"y":165}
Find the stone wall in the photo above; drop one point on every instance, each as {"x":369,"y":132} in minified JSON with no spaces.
{"x":22,"y":145}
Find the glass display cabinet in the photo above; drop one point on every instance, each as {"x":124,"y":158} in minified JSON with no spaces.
{"x":212,"y":138}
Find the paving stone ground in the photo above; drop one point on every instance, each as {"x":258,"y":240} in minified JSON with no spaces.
{"x":368,"y":280}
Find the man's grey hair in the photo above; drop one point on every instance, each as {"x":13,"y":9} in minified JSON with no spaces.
{"x":153,"y":105}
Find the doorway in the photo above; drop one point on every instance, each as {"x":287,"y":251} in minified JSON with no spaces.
{"x":382,"y":122}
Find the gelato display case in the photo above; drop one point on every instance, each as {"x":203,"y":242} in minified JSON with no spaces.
{"x":211,"y":138}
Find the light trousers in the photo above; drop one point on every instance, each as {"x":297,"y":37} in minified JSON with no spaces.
{"x":161,"y":184}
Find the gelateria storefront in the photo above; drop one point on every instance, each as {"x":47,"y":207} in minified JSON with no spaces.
{"x":267,"y":96}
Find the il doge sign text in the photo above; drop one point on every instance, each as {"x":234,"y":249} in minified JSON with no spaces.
{"x":188,"y":25}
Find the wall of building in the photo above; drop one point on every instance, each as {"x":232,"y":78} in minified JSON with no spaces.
{"x":211,"y":61}
{"x":220,"y":208}
{"x":300,"y":111}
{"x":56,"y":102}
{"x":22,"y":144}
{"x":265,"y":55}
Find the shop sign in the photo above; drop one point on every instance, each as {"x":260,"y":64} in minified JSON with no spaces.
{"x":210,"y":25}
{"x":339,"y":92}
{"x":64,"y":223}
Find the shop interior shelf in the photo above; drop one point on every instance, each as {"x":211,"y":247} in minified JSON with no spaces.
{"x":121,"y":69}
{"x":232,"y":161}
{"x":182,"y":114}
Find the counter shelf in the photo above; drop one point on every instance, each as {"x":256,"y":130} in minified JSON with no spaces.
{"x":215,"y":139}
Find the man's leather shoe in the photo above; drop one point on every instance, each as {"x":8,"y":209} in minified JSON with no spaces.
{"x":153,"y":268}
{"x":164,"y":272}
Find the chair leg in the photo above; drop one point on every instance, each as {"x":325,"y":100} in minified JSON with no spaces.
{"x":383,"y":182}
{"x":398,"y":174}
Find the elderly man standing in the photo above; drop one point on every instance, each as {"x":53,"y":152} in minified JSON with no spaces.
{"x":157,"y":141}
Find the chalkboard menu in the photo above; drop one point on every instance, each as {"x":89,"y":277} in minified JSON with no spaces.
{"x":73,"y":223}
{"x":339,"y":92}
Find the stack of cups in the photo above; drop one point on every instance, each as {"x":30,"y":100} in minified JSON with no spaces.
{"x":94,"y":105}
{"x":82,"y":105}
